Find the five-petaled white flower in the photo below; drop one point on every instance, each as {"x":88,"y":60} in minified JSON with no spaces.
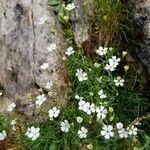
{"x":82,"y":132}
{"x":49,"y":84}
{"x":3,"y":134}
{"x":89,"y":108}
{"x":79,"y":119}
{"x":119,"y":81}
{"x":114,"y":60}
{"x":42,"y":19}
{"x":44,"y":66}
{"x":107,"y":131}
{"x":132,"y":130}
{"x":33,"y":133}
{"x":40,"y":99}
{"x":81,"y":104}
{"x":11,"y":107}
{"x":81,"y":75}
{"x":102,"y":51}
{"x":69,"y":51}
{"x":109,"y":67}
{"x":70,"y":7}
{"x":53,"y":113}
{"x":101,"y":94}
{"x":51,"y":47}
{"x":113,"y":63}
{"x":122,"y":133}
{"x":119,"y":125}
{"x":101,"y":112}
{"x":65,"y":126}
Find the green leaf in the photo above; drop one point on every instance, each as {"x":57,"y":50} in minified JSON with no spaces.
{"x":53,"y":147}
{"x":54,"y":2}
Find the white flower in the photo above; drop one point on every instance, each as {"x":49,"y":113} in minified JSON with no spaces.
{"x":13,"y":122}
{"x":42,"y":19}
{"x":89,"y":108}
{"x":49,"y":85}
{"x":122,"y":133}
{"x":81,"y":104}
{"x":86,"y":108}
{"x":114,"y":60}
{"x":113,"y":63}
{"x":107,"y":131}
{"x":109,"y":67}
{"x":79,"y":119}
{"x":78,"y":97}
{"x":101,"y":112}
{"x":119,"y":81}
{"x":69,"y":51}
{"x":1,"y":93}
{"x":11,"y":107}
{"x":101,"y":94}
{"x":81,"y":75}
{"x":65,"y":126}
{"x":33,"y":133}
{"x":119,"y":125}
{"x":132,"y":130}
{"x":2,"y":135}
{"x":51,"y":47}
{"x":54,"y":112}
{"x":44,"y":66}
{"x":92,"y":108}
{"x":102,"y":51}
{"x":82,"y":132}
{"x":40,"y":99}
{"x":70,"y":7}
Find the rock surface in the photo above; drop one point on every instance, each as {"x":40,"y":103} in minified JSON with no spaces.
{"x":80,"y":21}
{"x":142,"y":23}
{"x":27,"y":29}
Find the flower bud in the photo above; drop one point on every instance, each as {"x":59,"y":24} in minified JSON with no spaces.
{"x":126,"y":67}
{"x":124,"y":53}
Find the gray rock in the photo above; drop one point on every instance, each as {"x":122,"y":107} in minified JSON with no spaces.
{"x":23,"y":47}
{"x":80,"y":21}
{"x":142,"y":25}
